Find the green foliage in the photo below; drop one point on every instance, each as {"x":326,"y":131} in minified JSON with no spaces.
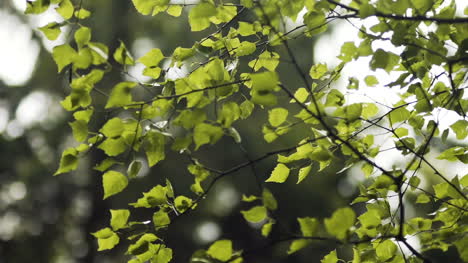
{"x":221,"y":250}
{"x":113,"y":183}
{"x":238,"y":75}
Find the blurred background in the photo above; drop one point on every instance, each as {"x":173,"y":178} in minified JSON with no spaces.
{"x":49,"y":219}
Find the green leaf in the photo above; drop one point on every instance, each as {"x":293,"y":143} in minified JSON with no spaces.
{"x":119,"y":218}
{"x":65,"y":9}
{"x":155,"y":197}
{"x":82,"y":36}
{"x":371,"y":81}
{"x":245,"y":48}
{"x":143,"y":248}
{"x":147,"y":7}
{"x":315,"y":21}
{"x":107,"y":239}
{"x":164,"y":255}
{"x":366,"y":10}
{"x":161,"y":218}
{"x":370,"y":219}
{"x":256,"y":214}
{"x":267,"y":227}
{"x":133,"y":169}
{"x":113,"y":183}
{"x":422,"y":6}
{"x":154,"y":145}
{"x":246,"y":109}
{"x":460,"y":128}
{"x":297,"y":245}
{"x":181,"y":54}
{"x":230,"y":112}
{"x":384,"y":60}
{"x":279,"y":174}
{"x":301,"y":95}
{"x":369,"y":110}
{"x":267,"y":60}
{"x":122,"y":56}
{"x":330,"y":258}
{"x":174,"y":10}
{"x":303,"y":173}
{"x":245,"y":29}
{"x":68,"y":162}
{"x":317,"y":71}
{"x":462,"y":247}
{"x":269,"y":200}
{"x":36,"y":7}
{"x":263,"y":85}
{"x":385,"y":250}
{"x":113,"y":146}
{"x":199,"y":16}
{"x":335,"y":98}
{"x":63,"y":56}
{"x":206,"y":133}
{"x":455,"y":154}
{"x":113,"y":128}
{"x":152,"y":58}
{"x":277,"y":116}
{"x":120,"y":95}
{"x":464,"y":181}
{"x":51,"y":30}
{"x":348,"y":51}
{"x":399,"y":115}
{"x":340,"y":222}
{"x":182,"y":203}
{"x":221,"y":250}
{"x":422,"y":199}
{"x":308,"y":226}
{"x":79,"y":129}
{"x":82,"y":13}
{"x":105,"y":164}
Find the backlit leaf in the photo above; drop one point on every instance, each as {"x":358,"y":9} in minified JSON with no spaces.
{"x":51,"y":30}
{"x":120,"y":95}
{"x":221,"y":250}
{"x":308,"y":226}
{"x":119,"y":218}
{"x":279,"y":174}
{"x":255,"y":214}
{"x":199,"y":16}
{"x":113,"y":183}
{"x":277,"y":116}
{"x":68,"y":162}
{"x":161,"y":218}
{"x":330,"y":258}
{"x":63,"y":56}
{"x":340,"y":222}
{"x":107,"y":239}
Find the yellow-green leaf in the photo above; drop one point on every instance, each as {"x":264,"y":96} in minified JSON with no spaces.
{"x":107,"y":239}
{"x":113,"y":183}
{"x":279,"y":174}
{"x":221,"y":250}
{"x":119,"y":218}
{"x":51,"y":30}
{"x":340,"y":222}
{"x":255,"y":214}
{"x":63,"y":56}
{"x":120,"y":95}
{"x":277,"y":116}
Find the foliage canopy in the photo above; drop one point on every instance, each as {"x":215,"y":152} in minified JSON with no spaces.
{"x":235,"y":73}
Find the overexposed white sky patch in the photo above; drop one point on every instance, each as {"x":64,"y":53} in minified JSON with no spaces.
{"x":18,"y":50}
